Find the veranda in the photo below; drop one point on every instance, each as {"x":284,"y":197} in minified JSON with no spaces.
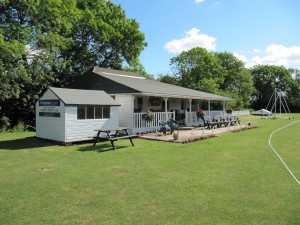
{"x":181,"y":110}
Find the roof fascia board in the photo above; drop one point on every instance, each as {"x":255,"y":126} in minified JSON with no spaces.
{"x":176,"y":96}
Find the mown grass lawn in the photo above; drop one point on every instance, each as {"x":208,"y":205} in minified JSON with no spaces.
{"x":232,"y":179}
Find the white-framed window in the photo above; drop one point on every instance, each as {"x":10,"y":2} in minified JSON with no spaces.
{"x":89,"y":112}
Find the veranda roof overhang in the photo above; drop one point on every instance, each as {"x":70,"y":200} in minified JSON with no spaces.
{"x":162,"y":95}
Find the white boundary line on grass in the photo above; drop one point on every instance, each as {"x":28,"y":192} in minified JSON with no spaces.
{"x":278,"y":154}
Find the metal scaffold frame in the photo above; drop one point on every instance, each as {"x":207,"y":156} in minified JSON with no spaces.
{"x":278,"y":95}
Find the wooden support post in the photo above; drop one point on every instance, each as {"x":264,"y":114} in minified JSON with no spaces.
{"x":190,"y":117}
{"x":166,"y":107}
{"x":208,"y":108}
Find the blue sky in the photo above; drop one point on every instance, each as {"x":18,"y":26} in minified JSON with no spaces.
{"x":256,"y":31}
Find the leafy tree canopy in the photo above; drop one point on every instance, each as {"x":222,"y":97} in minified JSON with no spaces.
{"x":49,"y":42}
{"x":217,"y":72}
{"x":165,"y":78}
{"x":78,"y":33}
{"x":295,"y":74}
{"x":238,"y":81}
{"x":198,"y":69}
{"x":268,"y":77}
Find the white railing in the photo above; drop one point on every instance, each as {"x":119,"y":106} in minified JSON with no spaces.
{"x":143,"y":126}
{"x":192,"y":120}
{"x":241,"y":113}
{"x":140,"y":125}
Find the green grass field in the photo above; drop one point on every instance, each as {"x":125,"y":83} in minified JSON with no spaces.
{"x":232,"y":179}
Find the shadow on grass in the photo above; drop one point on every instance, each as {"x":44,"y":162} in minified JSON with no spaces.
{"x":101,"y":148}
{"x":24,"y":143}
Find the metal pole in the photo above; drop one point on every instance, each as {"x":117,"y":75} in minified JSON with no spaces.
{"x":280,"y":102}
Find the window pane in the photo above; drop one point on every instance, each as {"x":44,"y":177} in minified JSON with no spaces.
{"x":106,"y":111}
{"x":98,"y":112}
{"x":90,"y":112}
{"x":80,"y":112}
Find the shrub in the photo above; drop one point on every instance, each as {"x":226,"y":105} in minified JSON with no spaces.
{"x":20,"y":127}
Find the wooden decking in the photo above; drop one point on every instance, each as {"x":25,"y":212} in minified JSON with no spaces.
{"x":190,"y":133}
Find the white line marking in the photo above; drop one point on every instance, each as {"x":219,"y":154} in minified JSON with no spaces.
{"x":279,"y":155}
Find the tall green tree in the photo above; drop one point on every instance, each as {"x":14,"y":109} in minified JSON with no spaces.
{"x":166,"y":78}
{"x":12,"y":76}
{"x":102,"y":36}
{"x":60,"y":39}
{"x":295,"y":74}
{"x":238,"y":82}
{"x":295,"y":92}
{"x":22,"y":80}
{"x":268,"y":77}
{"x":198,"y":69}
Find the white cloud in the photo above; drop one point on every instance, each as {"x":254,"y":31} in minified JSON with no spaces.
{"x":192,"y":39}
{"x":199,"y":1}
{"x":215,"y":4}
{"x":244,"y":59}
{"x":256,"y":50}
{"x":279,"y":55}
{"x":240,"y":57}
{"x":273,"y":54}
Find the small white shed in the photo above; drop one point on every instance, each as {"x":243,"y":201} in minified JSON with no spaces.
{"x":70,"y":115}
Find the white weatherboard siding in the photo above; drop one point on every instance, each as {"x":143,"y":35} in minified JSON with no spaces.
{"x":174,"y":104}
{"x":126,"y":109}
{"x":52,"y":128}
{"x":79,"y":130}
{"x":60,"y":123}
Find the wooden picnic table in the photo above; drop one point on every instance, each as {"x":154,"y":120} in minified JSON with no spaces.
{"x":113,"y":134}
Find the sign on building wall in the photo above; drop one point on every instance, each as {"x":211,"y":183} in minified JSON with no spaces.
{"x":49,"y":108}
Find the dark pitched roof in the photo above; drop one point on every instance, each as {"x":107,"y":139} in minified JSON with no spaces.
{"x":83,"y":97}
{"x":117,"y":82}
{"x":152,"y":87}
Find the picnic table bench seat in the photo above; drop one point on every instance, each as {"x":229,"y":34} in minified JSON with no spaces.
{"x":209,"y":123}
{"x":233,"y":121}
{"x":217,"y":122}
{"x":120,"y":133}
